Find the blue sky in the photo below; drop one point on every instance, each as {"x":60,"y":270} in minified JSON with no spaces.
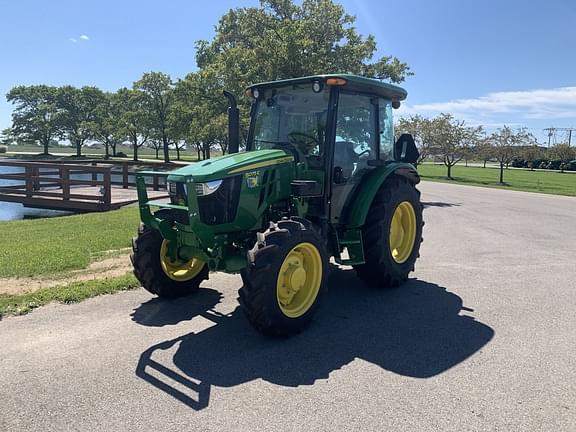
{"x":488,"y":62}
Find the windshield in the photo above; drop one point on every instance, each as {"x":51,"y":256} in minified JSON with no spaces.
{"x":293,"y":118}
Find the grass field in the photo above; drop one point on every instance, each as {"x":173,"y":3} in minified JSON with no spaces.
{"x":55,"y":245}
{"x":550,"y":182}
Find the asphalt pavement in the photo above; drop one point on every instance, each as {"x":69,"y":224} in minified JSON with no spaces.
{"x":482,"y":338}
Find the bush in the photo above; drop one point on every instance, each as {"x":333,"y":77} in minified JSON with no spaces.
{"x":121,"y":154}
{"x":2,"y":149}
{"x":518,"y":163}
{"x":554,"y":165}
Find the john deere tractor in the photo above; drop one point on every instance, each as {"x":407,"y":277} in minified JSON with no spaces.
{"x":321,"y":178}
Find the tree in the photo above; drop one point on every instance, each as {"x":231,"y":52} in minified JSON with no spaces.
{"x":483,"y":150}
{"x":7,"y":137}
{"x":281,"y":39}
{"x":135,"y":122}
{"x":105,"y":125}
{"x":198,"y":116}
{"x":156,"y":143}
{"x":78,"y":113}
{"x":531,"y":154}
{"x":181,"y":145}
{"x":451,"y":139}
{"x":562,"y":152}
{"x":36,"y":115}
{"x":472,"y":136}
{"x":157,"y":89}
{"x":421,"y":129}
{"x":506,"y":142}
{"x":278,"y":40}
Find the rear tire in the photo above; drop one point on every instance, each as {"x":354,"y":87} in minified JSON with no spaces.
{"x":146,"y":258}
{"x":285,"y":276}
{"x":391,"y":234}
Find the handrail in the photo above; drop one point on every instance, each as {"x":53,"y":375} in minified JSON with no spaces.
{"x":46,"y":180}
{"x":88,"y":167}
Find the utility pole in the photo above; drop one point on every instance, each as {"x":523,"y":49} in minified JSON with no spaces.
{"x":552,"y":131}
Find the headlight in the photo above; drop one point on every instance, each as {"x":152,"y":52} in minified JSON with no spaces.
{"x":203,"y":189}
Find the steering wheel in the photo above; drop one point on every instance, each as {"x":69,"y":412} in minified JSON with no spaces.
{"x":300,"y":157}
{"x":308,"y":141}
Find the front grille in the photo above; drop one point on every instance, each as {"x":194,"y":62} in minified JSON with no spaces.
{"x":199,"y":189}
{"x":221,"y":206}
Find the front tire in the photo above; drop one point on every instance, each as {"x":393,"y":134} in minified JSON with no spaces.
{"x":157,"y":273}
{"x":391,"y":234}
{"x":285,"y":276}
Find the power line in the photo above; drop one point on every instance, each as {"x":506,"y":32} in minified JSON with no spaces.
{"x":552,"y":133}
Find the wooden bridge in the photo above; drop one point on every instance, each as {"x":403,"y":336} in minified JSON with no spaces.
{"x":79,"y":186}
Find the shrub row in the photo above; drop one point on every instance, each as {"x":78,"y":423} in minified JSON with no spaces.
{"x":545,"y":164}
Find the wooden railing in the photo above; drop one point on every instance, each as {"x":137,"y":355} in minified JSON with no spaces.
{"x":73,"y":181}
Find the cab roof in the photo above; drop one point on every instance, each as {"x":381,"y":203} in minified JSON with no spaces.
{"x":353,"y":83}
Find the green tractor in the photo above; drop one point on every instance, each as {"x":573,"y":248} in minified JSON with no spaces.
{"x":321,"y":178}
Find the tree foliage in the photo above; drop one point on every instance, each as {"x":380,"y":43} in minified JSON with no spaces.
{"x":562,"y":152}
{"x":157,"y":98}
{"x":421,"y":129}
{"x":276,"y":40}
{"x":531,"y":154}
{"x":36,"y":115}
{"x":281,"y":39}
{"x":451,"y":139}
{"x":77,"y":113}
{"x":135,"y":121}
{"x":105,"y":125}
{"x":506,"y":142}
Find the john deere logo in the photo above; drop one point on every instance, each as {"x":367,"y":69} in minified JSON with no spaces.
{"x":252,"y":179}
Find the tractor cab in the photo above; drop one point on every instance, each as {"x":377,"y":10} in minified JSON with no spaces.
{"x":321,"y":177}
{"x":338,"y":128}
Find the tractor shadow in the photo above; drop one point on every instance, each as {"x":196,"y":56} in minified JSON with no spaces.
{"x":415,"y":331}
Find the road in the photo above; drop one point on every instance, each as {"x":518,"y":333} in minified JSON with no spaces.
{"x":483,"y":338}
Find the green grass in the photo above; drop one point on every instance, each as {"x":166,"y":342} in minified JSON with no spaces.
{"x":72,"y":293}
{"x":55,"y":245}
{"x":550,"y":182}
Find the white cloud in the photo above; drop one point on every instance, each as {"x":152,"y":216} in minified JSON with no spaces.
{"x":79,"y":38}
{"x":542,"y":104}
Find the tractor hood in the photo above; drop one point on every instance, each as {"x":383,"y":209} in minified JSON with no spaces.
{"x":229,"y":165}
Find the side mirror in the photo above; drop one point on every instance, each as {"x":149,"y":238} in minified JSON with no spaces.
{"x":405,"y":149}
{"x":338,"y":175}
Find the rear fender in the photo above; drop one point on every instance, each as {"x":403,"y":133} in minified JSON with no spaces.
{"x":359,"y":207}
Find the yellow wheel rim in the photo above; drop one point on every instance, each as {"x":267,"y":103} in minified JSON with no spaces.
{"x":180,"y":271}
{"x":299,"y":280}
{"x":402,"y":232}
